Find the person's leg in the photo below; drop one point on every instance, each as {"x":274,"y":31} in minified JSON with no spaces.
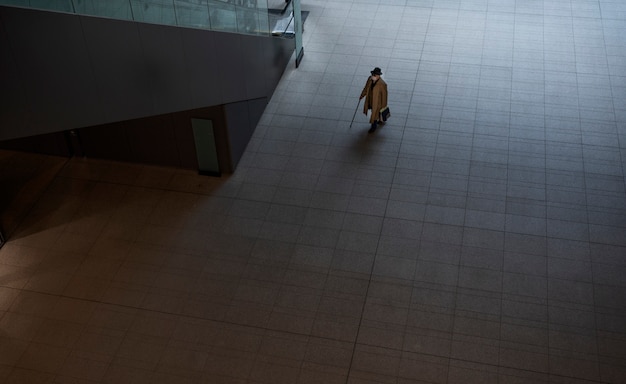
{"x":373,"y":127}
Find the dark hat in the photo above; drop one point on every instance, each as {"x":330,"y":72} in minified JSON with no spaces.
{"x":376,"y":71}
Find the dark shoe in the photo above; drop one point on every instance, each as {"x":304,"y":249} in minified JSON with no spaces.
{"x":373,"y":128}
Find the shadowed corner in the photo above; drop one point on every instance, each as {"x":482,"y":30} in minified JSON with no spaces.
{"x":24,"y":177}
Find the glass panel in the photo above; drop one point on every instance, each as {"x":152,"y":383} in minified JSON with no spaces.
{"x":115,"y":9}
{"x":264,"y":22}
{"x":242,"y":16}
{"x":195,"y":15}
{"x":223,"y":17}
{"x":297,"y":24}
{"x":53,"y":5}
{"x":17,"y":3}
{"x":247,"y":20}
{"x":154,"y":11}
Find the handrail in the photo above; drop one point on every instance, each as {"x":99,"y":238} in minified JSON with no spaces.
{"x":238,"y":16}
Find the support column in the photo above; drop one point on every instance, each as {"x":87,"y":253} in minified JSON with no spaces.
{"x":297,"y":19}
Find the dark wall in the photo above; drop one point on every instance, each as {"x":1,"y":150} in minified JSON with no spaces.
{"x":165,"y":139}
{"x":62,"y":71}
{"x":241,"y":120}
{"x":54,"y":144}
{"x":161,"y":140}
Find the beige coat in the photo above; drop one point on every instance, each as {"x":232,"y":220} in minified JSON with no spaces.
{"x":376,"y":98}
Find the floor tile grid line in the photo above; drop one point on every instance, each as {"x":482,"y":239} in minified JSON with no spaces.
{"x":318,"y":175}
{"x":60,"y":296}
{"x":551,"y":347}
{"x":112,"y":303}
{"x":364,"y":306}
{"x":414,"y":288}
{"x":267,"y":327}
{"x":373,"y":266}
{"x":438,"y":142}
{"x":546,"y":151}
{"x":502,"y":287}
{"x":430,"y":36}
{"x":545,"y":198}
{"x":474,"y":162}
{"x":361,"y":316}
{"x":172,"y":343}
{"x":594,"y":283}
{"x":143,"y":309}
{"x":225,"y":322}
{"x":621,"y":145}
{"x":506,"y":182}
{"x":547,"y":292}
{"x":186,"y":316}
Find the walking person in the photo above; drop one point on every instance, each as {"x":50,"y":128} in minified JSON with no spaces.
{"x":375,"y":93}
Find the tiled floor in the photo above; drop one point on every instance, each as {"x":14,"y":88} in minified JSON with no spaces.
{"x":478,"y":237}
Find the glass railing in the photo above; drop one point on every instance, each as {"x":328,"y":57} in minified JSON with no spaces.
{"x":238,"y":16}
